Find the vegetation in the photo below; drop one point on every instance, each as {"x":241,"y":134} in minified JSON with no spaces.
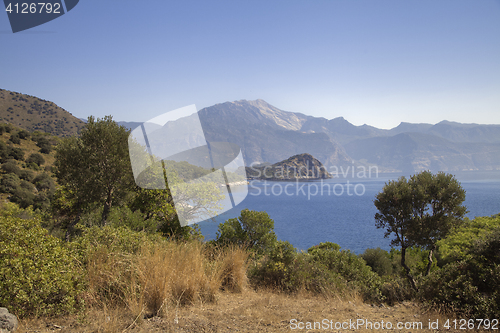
{"x":91,"y":239}
{"x":420,"y":211}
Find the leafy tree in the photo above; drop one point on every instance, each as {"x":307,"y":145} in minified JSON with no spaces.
{"x":96,"y":167}
{"x":253,"y":229}
{"x":419,"y":212}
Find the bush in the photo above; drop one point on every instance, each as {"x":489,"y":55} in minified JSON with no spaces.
{"x":22,"y":196}
{"x":14,"y":138}
{"x":26,"y":175}
{"x":11,"y":167}
{"x":44,"y":182}
{"x":379,"y":260}
{"x":9,"y":182}
{"x":23,"y":134}
{"x":350,"y":267}
{"x":35,"y":158}
{"x":16,"y":153}
{"x":37,"y":273}
{"x":252,"y":229}
{"x":470,"y":287}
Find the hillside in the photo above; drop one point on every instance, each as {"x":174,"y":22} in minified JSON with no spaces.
{"x":302,"y":166}
{"x":26,"y":166}
{"x":35,"y":114}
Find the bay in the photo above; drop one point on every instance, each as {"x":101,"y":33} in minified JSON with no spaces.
{"x":341,"y":210}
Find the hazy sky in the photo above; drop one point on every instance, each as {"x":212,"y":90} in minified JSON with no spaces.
{"x":374,"y":62}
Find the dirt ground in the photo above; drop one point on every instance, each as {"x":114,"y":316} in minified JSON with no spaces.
{"x":251,"y":311}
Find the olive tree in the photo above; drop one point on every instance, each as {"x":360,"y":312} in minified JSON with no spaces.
{"x":419,"y":212}
{"x":95,"y":168}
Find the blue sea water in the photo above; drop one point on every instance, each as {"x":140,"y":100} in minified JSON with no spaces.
{"x":342,"y":210}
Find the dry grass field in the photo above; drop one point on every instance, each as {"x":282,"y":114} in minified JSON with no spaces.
{"x":248,"y":311}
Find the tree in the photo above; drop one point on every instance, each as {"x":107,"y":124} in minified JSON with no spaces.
{"x":253,"y":229}
{"x":95,"y":168}
{"x":419,"y":212}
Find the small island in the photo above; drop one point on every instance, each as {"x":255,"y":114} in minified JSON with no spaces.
{"x":298,"y":167}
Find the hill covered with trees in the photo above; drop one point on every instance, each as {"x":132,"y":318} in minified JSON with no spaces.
{"x":36,"y":114}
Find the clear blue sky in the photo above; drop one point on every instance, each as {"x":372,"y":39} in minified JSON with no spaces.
{"x":375,"y":62}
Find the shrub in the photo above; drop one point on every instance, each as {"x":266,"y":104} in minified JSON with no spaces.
{"x":26,"y":175}
{"x":14,"y":138}
{"x":470,"y":287}
{"x":44,"y":182}
{"x":16,"y":153}
{"x":37,"y":273}
{"x":22,"y":196}
{"x":23,"y":134}
{"x":273,"y":269}
{"x":11,"y":167}
{"x":350,"y":267}
{"x":252,"y":229}
{"x":9,"y":183}
{"x":379,"y":260}
{"x":35,"y":158}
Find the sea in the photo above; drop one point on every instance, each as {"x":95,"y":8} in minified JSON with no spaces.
{"x":341,"y":209}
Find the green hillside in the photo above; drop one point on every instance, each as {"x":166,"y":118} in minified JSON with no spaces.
{"x":26,"y":166}
{"x":35,"y":114}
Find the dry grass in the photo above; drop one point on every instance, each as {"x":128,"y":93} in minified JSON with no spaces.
{"x":249,"y":311}
{"x":163,"y":277}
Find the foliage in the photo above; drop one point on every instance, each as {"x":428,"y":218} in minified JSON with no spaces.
{"x":96,"y":167}
{"x":323,"y":269}
{"x":11,"y":167}
{"x":419,"y":212}
{"x":470,"y":287}
{"x":252,"y":229}
{"x":461,"y":240}
{"x":35,"y":158}
{"x":379,"y":260}
{"x":37,"y":273}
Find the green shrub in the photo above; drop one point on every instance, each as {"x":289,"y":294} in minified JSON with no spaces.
{"x":9,"y":183}
{"x":470,"y":287}
{"x":455,"y":246}
{"x":23,"y":134}
{"x":273,"y":270}
{"x":11,"y":167}
{"x":35,"y":158}
{"x":252,"y":229}
{"x":16,"y":153}
{"x":23,"y":197}
{"x":37,"y":273}
{"x":379,"y":260}
{"x":350,"y":267}
{"x":44,"y":182}
{"x":26,"y":175}
{"x":14,"y":138}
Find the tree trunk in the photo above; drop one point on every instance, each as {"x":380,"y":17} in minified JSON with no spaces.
{"x":107,"y":207}
{"x":429,"y":264}
{"x":407,"y":269}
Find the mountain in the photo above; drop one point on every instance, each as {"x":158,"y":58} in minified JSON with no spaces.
{"x":301,"y":166}
{"x":267,"y":134}
{"x":35,"y":114}
{"x":413,"y":151}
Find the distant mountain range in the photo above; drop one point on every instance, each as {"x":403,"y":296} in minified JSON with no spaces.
{"x":268,"y":134}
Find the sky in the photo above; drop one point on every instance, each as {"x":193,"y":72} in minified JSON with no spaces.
{"x":372,"y":62}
